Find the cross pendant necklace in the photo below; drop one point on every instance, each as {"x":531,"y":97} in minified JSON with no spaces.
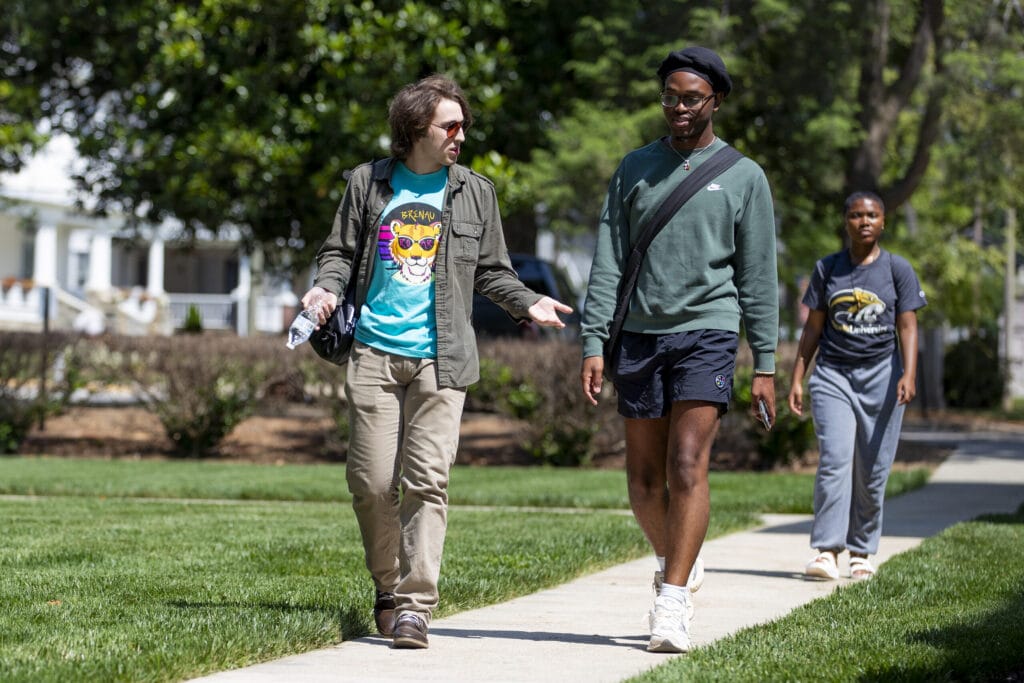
{"x":693,"y":152}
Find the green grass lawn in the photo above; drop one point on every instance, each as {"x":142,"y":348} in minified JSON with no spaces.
{"x":951,"y":609}
{"x":533,"y":486}
{"x":152,"y":570}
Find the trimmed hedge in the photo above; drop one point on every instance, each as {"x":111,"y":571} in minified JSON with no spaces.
{"x":201,"y":386}
{"x":38,"y":375}
{"x":973,"y":374}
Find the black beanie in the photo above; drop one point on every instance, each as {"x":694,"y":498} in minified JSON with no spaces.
{"x":700,"y":61}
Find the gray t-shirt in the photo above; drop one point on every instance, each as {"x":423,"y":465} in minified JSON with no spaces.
{"x":861,"y":304}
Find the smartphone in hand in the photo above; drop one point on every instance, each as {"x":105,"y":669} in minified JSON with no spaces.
{"x":762,"y":410}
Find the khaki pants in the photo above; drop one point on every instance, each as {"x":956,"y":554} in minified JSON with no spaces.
{"x":405,"y":434}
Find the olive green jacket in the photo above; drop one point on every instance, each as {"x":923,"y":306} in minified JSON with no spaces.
{"x":471,"y":255}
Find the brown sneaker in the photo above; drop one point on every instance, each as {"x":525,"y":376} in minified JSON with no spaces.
{"x":384,"y":613}
{"x":410,"y":632}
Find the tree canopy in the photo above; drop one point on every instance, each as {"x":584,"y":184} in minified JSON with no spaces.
{"x":230,"y":112}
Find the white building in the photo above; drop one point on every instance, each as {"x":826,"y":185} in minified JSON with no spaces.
{"x":94,"y":274}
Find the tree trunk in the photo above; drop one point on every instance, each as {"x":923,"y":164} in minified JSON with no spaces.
{"x":1010,"y":350}
{"x":881,"y":104}
{"x":977,"y":236}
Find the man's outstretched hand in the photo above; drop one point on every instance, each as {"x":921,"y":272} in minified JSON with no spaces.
{"x":545,"y":312}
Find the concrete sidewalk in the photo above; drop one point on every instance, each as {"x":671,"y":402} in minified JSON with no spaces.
{"x":594,"y":628}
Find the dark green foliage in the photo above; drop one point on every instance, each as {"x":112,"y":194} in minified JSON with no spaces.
{"x":522,"y":392}
{"x":539,"y":383}
{"x":543,"y":388}
{"x":38,"y":375}
{"x":502,"y":389}
{"x":523,"y":400}
{"x":193,"y":320}
{"x":16,"y":419}
{"x":336,"y":443}
{"x":196,"y":433}
{"x":790,"y":438}
{"x":486,"y":395}
{"x":563,"y":444}
{"x":974,"y":376}
{"x":230,"y":112}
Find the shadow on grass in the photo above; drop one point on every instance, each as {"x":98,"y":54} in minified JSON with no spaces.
{"x":988,"y":648}
{"x":982,"y":647}
{"x":353,"y":621}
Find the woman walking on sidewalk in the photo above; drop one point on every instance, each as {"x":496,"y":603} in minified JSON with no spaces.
{"x":861,"y":299}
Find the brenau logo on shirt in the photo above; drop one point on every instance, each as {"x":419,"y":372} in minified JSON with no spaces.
{"x":407,"y":242}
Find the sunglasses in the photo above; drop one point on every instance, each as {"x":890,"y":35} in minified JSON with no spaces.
{"x":426,"y":243}
{"x":452,"y":128}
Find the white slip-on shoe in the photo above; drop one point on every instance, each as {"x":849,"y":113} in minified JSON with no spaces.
{"x":823,"y":567}
{"x":861,"y":568}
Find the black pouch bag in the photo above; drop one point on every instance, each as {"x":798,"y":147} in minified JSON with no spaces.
{"x":333,"y":340}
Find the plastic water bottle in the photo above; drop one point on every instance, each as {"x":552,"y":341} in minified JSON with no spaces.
{"x":303,"y":325}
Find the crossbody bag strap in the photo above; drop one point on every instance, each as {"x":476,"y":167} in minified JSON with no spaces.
{"x":714,"y":166}
{"x":357,"y":256}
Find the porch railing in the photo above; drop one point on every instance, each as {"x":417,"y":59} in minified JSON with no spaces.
{"x":20,"y":304}
{"x":216,"y":311}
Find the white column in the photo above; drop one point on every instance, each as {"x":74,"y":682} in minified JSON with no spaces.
{"x":100,"y":263}
{"x":257,"y":290}
{"x":155,"y":269}
{"x":44,"y":266}
{"x":242,"y":295}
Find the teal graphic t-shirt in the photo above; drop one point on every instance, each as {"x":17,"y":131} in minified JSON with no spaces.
{"x":398,"y":315}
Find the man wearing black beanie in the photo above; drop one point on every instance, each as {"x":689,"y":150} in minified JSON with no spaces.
{"x":709,"y":269}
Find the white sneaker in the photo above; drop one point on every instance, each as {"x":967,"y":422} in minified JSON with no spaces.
{"x":669,"y":626}
{"x":694,"y":583}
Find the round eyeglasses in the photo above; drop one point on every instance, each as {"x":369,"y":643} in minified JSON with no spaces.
{"x":689,"y":101}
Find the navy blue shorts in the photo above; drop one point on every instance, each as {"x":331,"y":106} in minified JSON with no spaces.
{"x":655,"y":370}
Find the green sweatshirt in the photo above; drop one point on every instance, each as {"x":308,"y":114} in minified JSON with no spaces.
{"x":711,"y":266}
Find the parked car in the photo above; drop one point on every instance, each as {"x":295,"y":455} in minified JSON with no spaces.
{"x":543,"y":277}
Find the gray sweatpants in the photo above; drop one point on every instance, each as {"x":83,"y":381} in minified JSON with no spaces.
{"x":857,"y":421}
